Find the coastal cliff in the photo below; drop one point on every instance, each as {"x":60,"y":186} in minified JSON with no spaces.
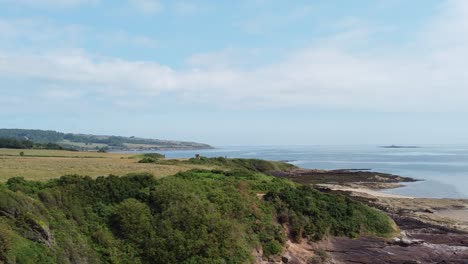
{"x":218,"y":210}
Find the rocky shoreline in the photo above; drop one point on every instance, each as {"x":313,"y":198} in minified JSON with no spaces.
{"x":364,"y":178}
{"x":431,"y":230}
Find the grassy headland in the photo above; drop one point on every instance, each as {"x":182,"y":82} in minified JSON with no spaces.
{"x":49,"y":164}
{"x":218,"y":214}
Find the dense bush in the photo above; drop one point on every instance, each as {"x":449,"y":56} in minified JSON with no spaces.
{"x":27,"y":144}
{"x":39,"y":136}
{"x":197,"y":216}
{"x":132,"y":220}
{"x":5,"y":242}
{"x":312,"y":214}
{"x":149,"y":157}
{"x":147,"y":160}
{"x":15,"y":143}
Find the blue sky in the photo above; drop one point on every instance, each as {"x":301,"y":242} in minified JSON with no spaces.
{"x":257,"y":72}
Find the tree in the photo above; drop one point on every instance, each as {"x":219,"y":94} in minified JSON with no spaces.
{"x":102,"y":150}
{"x":132,"y":220}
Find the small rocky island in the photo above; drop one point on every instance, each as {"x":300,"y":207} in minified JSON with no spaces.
{"x":399,"y":147}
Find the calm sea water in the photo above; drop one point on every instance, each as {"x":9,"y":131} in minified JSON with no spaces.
{"x":444,"y":169}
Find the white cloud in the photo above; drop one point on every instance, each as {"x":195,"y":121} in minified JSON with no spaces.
{"x":268,"y":22}
{"x":37,"y":34}
{"x":48,"y":3}
{"x":147,"y":6}
{"x":223,"y":59}
{"x":41,"y":34}
{"x":109,"y":76}
{"x":61,"y":93}
{"x":427,"y":75}
{"x":122,"y":37}
{"x":185,"y":7}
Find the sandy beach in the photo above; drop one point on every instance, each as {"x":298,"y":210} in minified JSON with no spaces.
{"x":360,"y":191}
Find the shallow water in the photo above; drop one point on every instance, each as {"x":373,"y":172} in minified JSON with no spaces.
{"x":444,"y":169}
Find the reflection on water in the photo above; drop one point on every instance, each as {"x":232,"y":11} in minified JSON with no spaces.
{"x":444,"y":169}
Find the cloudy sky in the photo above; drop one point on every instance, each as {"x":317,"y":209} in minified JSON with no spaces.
{"x":247,"y":72}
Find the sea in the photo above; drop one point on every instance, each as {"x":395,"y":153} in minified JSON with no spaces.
{"x":443,"y":170}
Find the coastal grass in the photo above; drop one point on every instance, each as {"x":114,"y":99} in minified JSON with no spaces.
{"x":43,"y":165}
{"x":55,"y":153}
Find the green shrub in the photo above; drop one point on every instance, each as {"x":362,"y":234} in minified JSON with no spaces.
{"x":19,"y":184}
{"x":5,"y":242}
{"x":102,"y":150}
{"x":15,"y":143}
{"x":153,"y":155}
{"x":149,"y":157}
{"x":147,"y":160}
{"x":272,"y":248}
{"x":313,"y":214}
{"x":132,"y":221}
{"x":197,"y":216}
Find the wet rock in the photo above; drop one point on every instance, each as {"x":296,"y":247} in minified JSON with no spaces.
{"x":311,"y":176}
{"x":369,"y":250}
{"x":406,"y":242}
{"x":427,"y":210}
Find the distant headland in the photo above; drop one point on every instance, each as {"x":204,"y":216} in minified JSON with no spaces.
{"x":88,"y":142}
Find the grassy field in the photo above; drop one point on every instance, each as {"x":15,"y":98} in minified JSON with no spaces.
{"x":82,"y":145}
{"x":47,"y":164}
{"x":135,"y":146}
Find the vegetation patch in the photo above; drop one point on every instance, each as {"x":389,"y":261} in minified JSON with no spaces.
{"x":38,"y":164}
{"x":149,"y":157}
{"x":27,"y":144}
{"x":257,"y":165}
{"x":198,"y":216}
{"x":95,"y":142}
{"x":311,"y":214}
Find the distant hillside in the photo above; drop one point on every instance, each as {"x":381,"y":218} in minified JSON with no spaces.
{"x":95,"y":142}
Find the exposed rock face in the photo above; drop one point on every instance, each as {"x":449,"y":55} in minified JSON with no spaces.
{"x":27,"y":215}
{"x":420,"y":241}
{"x":39,"y":233}
{"x":372,"y":250}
